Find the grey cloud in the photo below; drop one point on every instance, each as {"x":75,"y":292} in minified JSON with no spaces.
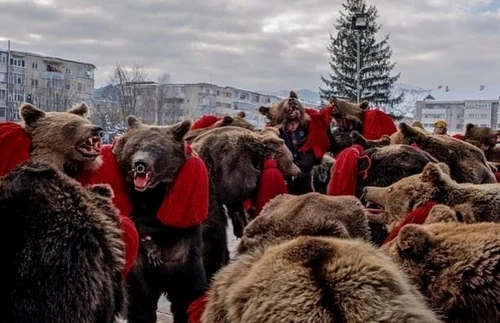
{"x":223,"y":40}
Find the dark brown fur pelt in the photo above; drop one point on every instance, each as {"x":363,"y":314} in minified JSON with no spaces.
{"x":467,"y":163}
{"x":475,"y":203}
{"x":55,"y":137}
{"x":321,"y":174}
{"x":237,"y":120}
{"x":288,"y":216}
{"x":234,"y":157}
{"x":455,"y":266}
{"x":315,"y":279}
{"x":358,"y":139}
{"x":354,"y":112}
{"x":64,"y":254}
{"x":486,"y":136}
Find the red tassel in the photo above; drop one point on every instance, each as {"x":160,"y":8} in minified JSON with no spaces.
{"x":196,"y":309}
{"x":459,"y":136}
{"x":110,"y":173}
{"x":186,"y":204}
{"x":345,"y":172}
{"x":497,"y":175}
{"x":15,"y":146}
{"x":376,"y":124}
{"x":317,"y":140}
{"x":271,"y":184}
{"x":204,"y":122}
{"x":417,"y":216}
{"x":247,"y":204}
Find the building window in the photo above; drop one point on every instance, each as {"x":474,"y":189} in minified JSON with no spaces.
{"x":3,"y":77}
{"x":34,"y":66}
{"x":79,"y":87}
{"x":53,"y":68}
{"x":3,"y":59}
{"x":34,"y":83}
{"x":17,"y":62}
{"x":68,"y":71}
{"x":3,"y":113}
{"x":68,"y":86}
{"x":3,"y":94}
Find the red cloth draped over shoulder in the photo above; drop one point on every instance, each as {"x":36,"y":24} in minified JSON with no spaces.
{"x":318,"y":140}
{"x":204,"y":122}
{"x":377,"y":123}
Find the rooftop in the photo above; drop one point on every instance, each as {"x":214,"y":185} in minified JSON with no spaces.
{"x":479,"y":93}
{"x":15,"y":52}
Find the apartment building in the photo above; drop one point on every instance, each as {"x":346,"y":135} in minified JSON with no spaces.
{"x":460,"y":107}
{"x":176,"y":101}
{"x":51,"y":83}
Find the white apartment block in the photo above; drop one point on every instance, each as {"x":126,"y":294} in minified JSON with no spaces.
{"x":51,"y":83}
{"x":198,"y":99}
{"x":459,"y":108}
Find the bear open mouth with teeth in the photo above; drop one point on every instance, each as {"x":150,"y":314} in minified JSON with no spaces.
{"x":142,"y":177}
{"x":91,"y":147}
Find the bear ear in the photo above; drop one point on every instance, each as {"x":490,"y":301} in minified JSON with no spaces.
{"x":407,"y":131}
{"x":293,"y":95}
{"x":385,"y":140}
{"x":264,"y":110}
{"x":133,"y":122}
{"x":102,"y":190}
{"x":180,"y":130}
{"x":79,"y":109}
{"x":469,"y":126}
{"x":30,"y":114}
{"x":414,"y":240}
{"x":241,"y":114}
{"x":432,"y":173}
{"x":226,"y":120}
{"x":441,"y":213}
{"x":363,"y":105}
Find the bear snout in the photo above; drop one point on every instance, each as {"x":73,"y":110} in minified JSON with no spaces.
{"x":374,"y":194}
{"x":142,"y":162}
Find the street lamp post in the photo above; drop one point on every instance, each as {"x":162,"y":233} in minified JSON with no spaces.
{"x":359,"y":23}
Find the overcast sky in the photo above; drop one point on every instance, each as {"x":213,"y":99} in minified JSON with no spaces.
{"x":255,"y":44}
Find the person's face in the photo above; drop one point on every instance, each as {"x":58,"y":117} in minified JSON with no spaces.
{"x":439,"y":131}
{"x":292,"y":126}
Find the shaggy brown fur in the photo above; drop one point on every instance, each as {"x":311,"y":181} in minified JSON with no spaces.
{"x":397,"y":138}
{"x":467,"y":162}
{"x":418,"y":124}
{"x":234,"y":157}
{"x":236,"y":121}
{"x":171,"y":261}
{"x":313,"y":279}
{"x":279,"y":112}
{"x":56,"y":137}
{"x":353,"y":112}
{"x":455,"y":266}
{"x":64,"y":257}
{"x":288,"y":216}
{"x":478,"y":203}
{"x":321,"y":174}
{"x":484,"y":135}
{"x":358,"y":139}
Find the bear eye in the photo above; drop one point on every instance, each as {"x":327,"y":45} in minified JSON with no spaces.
{"x":389,"y":190}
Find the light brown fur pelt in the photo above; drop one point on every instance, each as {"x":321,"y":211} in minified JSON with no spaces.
{"x":313,"y":279}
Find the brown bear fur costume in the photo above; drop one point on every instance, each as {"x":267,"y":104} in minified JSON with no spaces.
{"x":314,"y":279}
{"x":455,"y":266}
{"x":236,"y":121}
{"x":397,"y":138}
{"x":235,"y":157}
{"x":467,"y":163}
{"x":168,"y":189}
{"x":308,"y":141}
{"x":69,"y":142}
{"x":479,"y":203}
{"x":64,"y":257}
{"x":288,"y":216}
{"x":321,"y":174}
{"x":485,"y":138}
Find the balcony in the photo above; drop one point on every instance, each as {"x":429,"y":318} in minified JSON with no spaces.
{"x":53,"y":75}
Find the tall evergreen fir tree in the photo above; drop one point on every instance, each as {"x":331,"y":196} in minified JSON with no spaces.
{"x":375,"y":66}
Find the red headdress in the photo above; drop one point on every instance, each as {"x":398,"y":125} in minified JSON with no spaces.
{"x":204,"y":122}
{"x":417,"y":216}
{"x":317,"y":140}
{"x":344,"y":173}
{"x":377,"y":123}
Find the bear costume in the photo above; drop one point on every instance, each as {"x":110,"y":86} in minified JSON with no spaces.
{"x":71,"y":143}
{"x":64,"y":257}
